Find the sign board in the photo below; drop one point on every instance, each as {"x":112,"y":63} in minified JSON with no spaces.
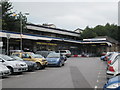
{"x":8,"y":36}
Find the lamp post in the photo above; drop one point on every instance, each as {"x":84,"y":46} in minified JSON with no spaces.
{"x":8,"y":37}
{"x":21,"y":31}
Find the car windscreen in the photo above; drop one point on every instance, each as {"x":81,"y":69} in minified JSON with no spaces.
{"x":17,"y":58}
{"x":36,"y":55}
{"x":5,"y":57}
{"x":62,"y":51}
{"x":53,"y":55}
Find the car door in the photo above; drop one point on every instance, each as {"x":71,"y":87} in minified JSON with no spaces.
{"x":116,"y":64}
{"x":26,"y":56}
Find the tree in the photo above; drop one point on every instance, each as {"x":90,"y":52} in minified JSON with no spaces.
{"x":7,"y":18}
{"x":88,"y":33}
{"x":110,"y":30}
{"x":10,"y":20}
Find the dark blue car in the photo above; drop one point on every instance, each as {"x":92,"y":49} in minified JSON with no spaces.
{"x":55,"y":59}
{"x":113,"y":84}
{"x":31,"y":65}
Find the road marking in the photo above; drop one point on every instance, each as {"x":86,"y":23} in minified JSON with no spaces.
{"x":16,"y":76}
{"x":96,"y":87}
{"x":101,"y":76}
{"x":99,"y":73}
{"x":32,"y":72}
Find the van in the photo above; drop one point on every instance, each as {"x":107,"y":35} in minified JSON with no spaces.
{"x":67,"y":53}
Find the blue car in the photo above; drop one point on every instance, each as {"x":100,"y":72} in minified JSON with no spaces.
{"x":113,"y":84}
{"x":102,"y":57}
{"x":55,"y":59}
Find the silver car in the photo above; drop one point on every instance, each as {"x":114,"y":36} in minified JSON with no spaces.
{"x":4,"y":71}
{"x":12,"y":64}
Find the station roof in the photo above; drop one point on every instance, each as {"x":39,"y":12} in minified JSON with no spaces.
{"x":52,"y":30}
{"x":15,"y":35}
{"x":101,"y":38}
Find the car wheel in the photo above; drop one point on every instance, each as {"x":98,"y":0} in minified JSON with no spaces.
{"x":63,"y":64}
{"x":43,"y":67}
{"x":11,"y":70}
{"x":39,"y":66}
{"x":60,"y":64}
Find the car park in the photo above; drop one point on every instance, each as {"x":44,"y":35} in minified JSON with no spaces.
{"x":29,"y":56}
{"x":12,"y":64}
{"x":114,"y":67}
{"x":55,"y":59}
{"x":4,"y":71}
{"x":112,"y":84}
{"x":67,"y":53}
{"x":31,"y":65}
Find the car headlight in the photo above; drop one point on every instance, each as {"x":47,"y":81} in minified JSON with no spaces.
{"x":115,"y":85}
{"x":18,"y":65}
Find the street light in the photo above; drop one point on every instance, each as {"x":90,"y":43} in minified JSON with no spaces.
{"x":21,"y":28}
{"x":8,"y":37}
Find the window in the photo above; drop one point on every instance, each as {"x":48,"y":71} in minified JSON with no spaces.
{"x":25,"y":55}
{"x":116,"y":58}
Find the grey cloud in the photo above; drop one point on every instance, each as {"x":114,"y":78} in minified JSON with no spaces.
{"x":70,"y":15}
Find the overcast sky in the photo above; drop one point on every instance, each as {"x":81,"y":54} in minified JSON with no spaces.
{"x":69,"y":14}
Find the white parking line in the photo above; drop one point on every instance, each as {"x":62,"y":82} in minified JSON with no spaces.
{"x":16,"y":76}
{"x":32,"y":72}
{"x":101,"y":76}
{"x":96,"y":87}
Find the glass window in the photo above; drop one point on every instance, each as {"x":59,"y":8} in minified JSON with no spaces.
{"x":53,"y":55}
{"x":116,"y":58}
{"x":62,"y":51}
{"x":5,"y":57}
{"x":25,"y":55}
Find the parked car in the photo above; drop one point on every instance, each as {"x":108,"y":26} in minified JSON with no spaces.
{"x":29,"y":56}
{"x":102,"y":57}
{"x":31,"y":65}
{"x":4,"y":71}
{"x":55,"y":59}
{"x":43,"y":53}
{"x":108,"y":56}
{"x":14,"y":51}
{"x":12,"y":64}
{"x":67,"y":53}
{"x":114,"y":67}
{"x":112,"y":57}
{"x":112,"y":84}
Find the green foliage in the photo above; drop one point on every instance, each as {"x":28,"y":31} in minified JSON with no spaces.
{"x":10,"y":20}
{"x":110,"y":30}
{"x":88,"y":33}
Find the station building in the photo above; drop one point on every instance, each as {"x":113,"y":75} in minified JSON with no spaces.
{"x":40,"y":37}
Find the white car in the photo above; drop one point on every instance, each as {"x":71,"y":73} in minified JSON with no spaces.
{"x":12,"y":64}
{"x":112,"y":57}
{"x":114,"y":67}
{"x":4,"y":71}
{"x":67,"y":53}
